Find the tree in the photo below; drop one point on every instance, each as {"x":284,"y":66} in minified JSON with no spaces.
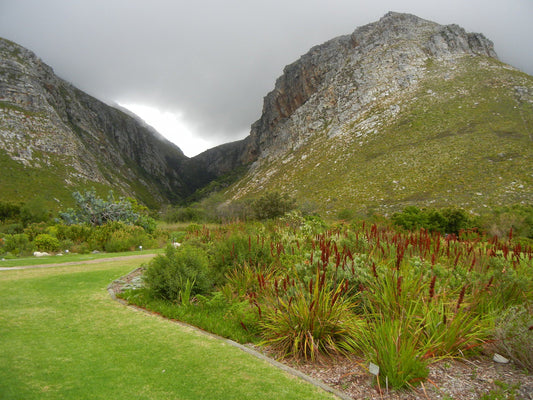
{"x":92,"y":210}
{"x":272,"y":205}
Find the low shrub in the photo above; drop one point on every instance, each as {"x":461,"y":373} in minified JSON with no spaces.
{"x":181,"y":271}
{"x":18,"y":244}
{"x":46,"y":242}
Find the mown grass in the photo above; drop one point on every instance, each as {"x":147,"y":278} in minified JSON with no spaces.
{"x":64,"y":338}
{"x":30,"y":261}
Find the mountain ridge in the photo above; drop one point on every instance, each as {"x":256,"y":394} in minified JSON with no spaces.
{"x":344,"y":127}
{"x":330,"y":107}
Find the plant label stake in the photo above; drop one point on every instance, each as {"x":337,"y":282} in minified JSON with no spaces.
{"x":373,"y":369}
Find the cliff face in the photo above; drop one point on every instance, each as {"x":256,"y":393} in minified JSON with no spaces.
{"x":347,"y":74}
{"x":47,"y":126}
{"x":402,"y":111}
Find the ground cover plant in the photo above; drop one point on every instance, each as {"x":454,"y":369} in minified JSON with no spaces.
{"x":63,"y":337}
{"x":401,"y":299}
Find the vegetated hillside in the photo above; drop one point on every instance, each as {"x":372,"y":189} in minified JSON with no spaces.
{"x":403,"y":111}
{"x":55,"y":139}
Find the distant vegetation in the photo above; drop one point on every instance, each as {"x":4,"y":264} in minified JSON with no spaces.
{"x":94,"y":224}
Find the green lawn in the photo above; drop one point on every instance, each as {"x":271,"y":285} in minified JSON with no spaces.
{"x":25,"y":261}
{"x":62,"y":337}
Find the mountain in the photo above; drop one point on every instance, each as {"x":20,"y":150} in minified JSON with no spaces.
{"x":401,"y":112}
{"x":55,"y":139}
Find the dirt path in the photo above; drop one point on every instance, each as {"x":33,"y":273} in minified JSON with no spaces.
{"x":95,"y":261}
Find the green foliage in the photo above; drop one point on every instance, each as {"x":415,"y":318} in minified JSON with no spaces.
{"x":447,"y":220}
{"x":237,"y":248}
{"x":185,"y":214}
{"x":95,"y":211}
{"x":273,"y":205}
{"x":180,"y":272}
{"x":18,"y":244}
{"x":118,"y":236}
{"x":394,"y":346}
{"x":34,"y":211}
{"x":517,"y":218}
{"x":513,"y":334}
{"x":9,"y":211}
{"x":46,"y":242}
{"x":310,"y":322}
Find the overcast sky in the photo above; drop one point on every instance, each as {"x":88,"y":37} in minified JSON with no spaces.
{"x":198,"y":70}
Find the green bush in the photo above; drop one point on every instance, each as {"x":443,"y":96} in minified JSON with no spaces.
{"x":18,"y":244}
{"x":238,"y":248}
{"x":78,"y":234}
{"x":12,"y":229}
{"x":117,"y":236}
{"x":273,"y":205}
{"x":180,"y":271}
{"x":447,"y":220}
{"x":9,"y":211}
{"x":128,"y":237}
{"x":34,"y":211}
{"x":46,"y":242}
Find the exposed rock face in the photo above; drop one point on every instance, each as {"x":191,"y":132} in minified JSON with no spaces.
{"x":43,"y":120}
{"x":345,"y":75}
{"x":403,"y":111}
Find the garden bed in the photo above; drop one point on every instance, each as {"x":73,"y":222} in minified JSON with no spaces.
{"x":459,"y":379}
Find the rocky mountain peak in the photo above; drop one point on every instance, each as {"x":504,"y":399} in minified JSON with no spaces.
{"x":377,"y":59}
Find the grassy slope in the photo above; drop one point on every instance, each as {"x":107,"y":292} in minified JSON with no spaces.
{"x":64,"y":338}
{"x":465,"y":141}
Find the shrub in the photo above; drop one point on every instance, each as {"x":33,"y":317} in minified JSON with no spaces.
{"x":92,"y":210}
{"x":12,"y":229}
{"x":272,"y":205}
{"x":127,"y":237}
{"x":76,"y":233}
{"x":34,"y":211}
{"x":513,"y":334}
{"x":314,"y":321}
{"x":46,"y":242}
{"x":9,"y":211}
{"x":447,"y":220}
{"x":179,"y":271}
{"x":18,"y":244}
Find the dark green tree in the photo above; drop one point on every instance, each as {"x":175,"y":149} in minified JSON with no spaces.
{"x":273,"y":205}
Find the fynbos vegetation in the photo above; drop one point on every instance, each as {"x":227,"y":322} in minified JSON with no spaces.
{"x":401,"y":299}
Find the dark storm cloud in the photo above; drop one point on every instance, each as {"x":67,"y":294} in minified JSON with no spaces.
{"x":214,"y":61}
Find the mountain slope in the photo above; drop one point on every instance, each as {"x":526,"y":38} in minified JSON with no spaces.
{"x":403,"y":111}
{"x":55,"y":139}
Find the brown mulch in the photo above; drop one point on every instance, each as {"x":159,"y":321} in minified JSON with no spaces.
{"x":449,"y":379}
{"x":458,"y":379}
